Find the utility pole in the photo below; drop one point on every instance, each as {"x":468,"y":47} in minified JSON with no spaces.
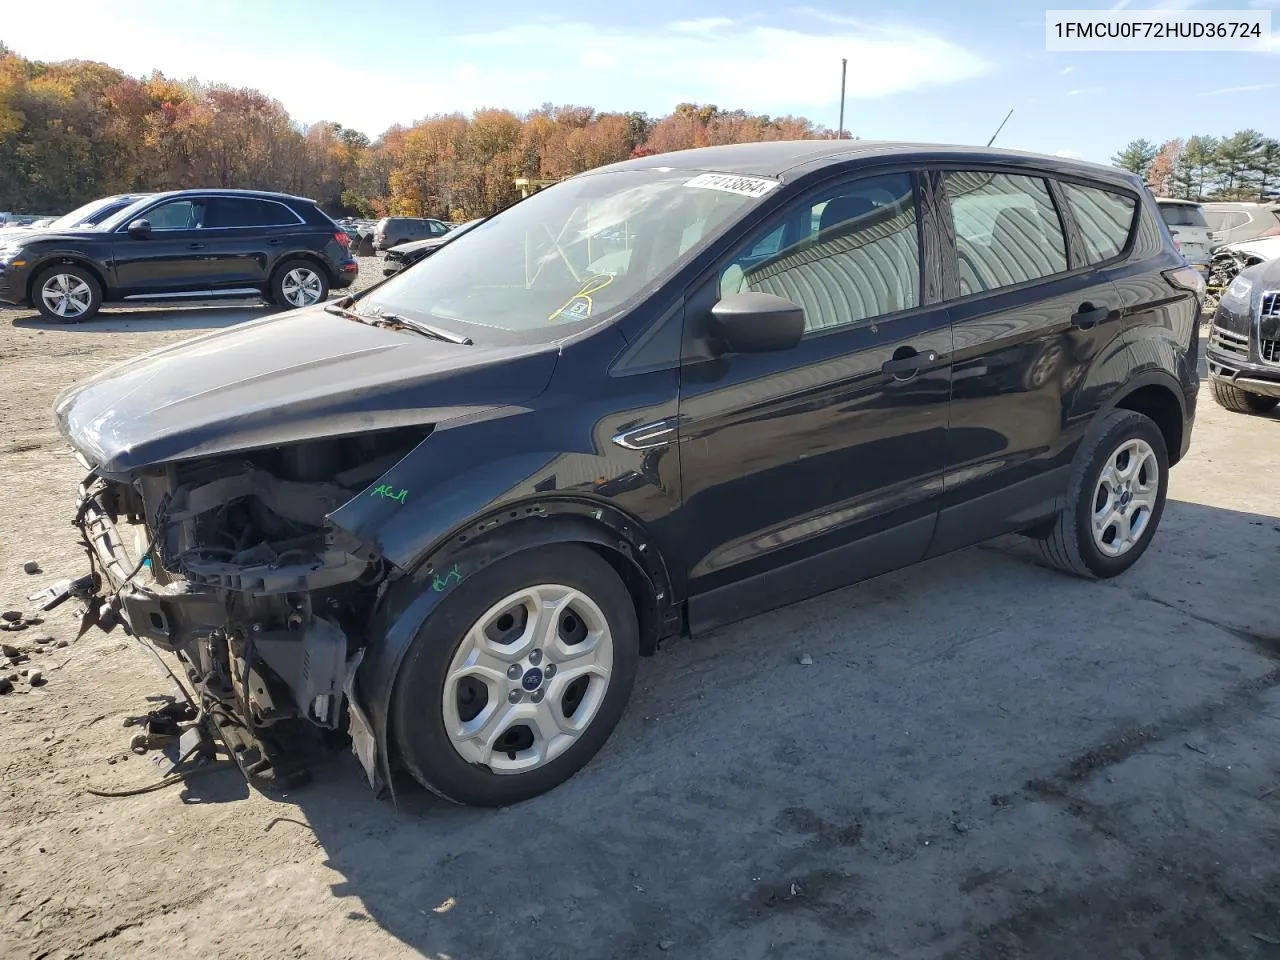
{"x":844,"y":65}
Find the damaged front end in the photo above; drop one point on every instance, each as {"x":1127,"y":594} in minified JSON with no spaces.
{"x":232,"y":564}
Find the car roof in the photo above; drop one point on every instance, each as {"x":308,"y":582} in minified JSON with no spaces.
{"x":226,"y":192}
{"x":789,"y":159}
{"x":1178,"y":200}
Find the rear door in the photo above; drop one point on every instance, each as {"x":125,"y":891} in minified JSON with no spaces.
{"x":808,"y":468}
{"x":245,"y":235}
{"x":1031,"y":317}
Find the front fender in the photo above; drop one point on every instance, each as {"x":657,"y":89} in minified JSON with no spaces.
{"x":408,"y":601}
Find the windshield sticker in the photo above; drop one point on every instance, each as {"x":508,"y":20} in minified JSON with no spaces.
{"x":580,"y":304}
{"x":745,"y":186}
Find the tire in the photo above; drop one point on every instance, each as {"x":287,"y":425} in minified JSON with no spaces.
{"x":1071,"y":545}
{"x":1230,"y":397}
{"x":435,"y":703}
{"x":299,"y":283}
{"x":69,"y":288}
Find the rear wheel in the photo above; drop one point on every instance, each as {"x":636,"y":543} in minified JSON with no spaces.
{"x":518,"y":678}
{"x":67,"y":294}
{"x":1231,"y":397}
{"x":1114,"y":500}
{"x":299,"y":283}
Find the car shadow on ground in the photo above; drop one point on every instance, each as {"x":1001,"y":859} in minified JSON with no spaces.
{"x":985,"y":758}
{"x":156,"y":319}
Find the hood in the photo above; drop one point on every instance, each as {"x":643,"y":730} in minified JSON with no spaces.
{"x":29,"y":235}
{"x":1264,"y":248}
{"x":295,"y":376}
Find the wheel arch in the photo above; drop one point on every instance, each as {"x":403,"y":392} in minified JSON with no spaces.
{"x":309,"y":256}
{"x":1156,"y":395}
{"x":66,"y":260}
{"x":408,"y":600}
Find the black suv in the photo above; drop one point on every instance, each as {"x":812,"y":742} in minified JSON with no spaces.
{"x":448,"y":514}
{"x":1243,"y":352}
{"x":185,"y":244}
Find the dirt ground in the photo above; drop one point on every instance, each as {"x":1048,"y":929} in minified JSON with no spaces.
{"x":985,"y":759}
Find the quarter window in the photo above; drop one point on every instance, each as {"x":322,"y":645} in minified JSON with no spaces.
{"x":850,"y":254}
{"x":1104,"y":218}
{"x":1007,"y":230}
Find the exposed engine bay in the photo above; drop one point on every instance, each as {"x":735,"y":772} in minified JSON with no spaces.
{"x":230,"y":563}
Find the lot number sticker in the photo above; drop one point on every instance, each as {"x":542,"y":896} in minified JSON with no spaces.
{"x":746,"y":186}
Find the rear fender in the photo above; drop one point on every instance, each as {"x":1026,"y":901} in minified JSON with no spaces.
{"x":408,"y":601}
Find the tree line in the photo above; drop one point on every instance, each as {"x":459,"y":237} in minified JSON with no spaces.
{"x":76,"y":130}
{"x":1243,"y":166}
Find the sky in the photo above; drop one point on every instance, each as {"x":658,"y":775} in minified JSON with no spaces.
{"x":930,"y":70}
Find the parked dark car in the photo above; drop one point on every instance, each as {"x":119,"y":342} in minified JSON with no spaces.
{"x":184,"y":244}
{"x":449,"y":513}
{"x":393,"y":231}
{"x":407,"y":254}
{"x":1243,"y":353}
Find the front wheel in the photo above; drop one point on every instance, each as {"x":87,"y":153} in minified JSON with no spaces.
{"x":1114,"y":500}
{"x":1230,"y":397}
{"x":299,"y":283}
{"x":518,"y":678}
{"x":67,"y":294}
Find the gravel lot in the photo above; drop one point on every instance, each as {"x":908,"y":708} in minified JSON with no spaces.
{"x":985,"y":759}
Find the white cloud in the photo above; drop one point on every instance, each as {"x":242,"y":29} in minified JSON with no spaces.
{"x":1247,"y":88}
{"x":1066,"y":70}
{"x":743,"y":62}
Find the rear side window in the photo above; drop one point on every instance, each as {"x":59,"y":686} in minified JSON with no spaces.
{"x":247,"y":212}
{"x":850,"y":254}
{"x":1183,"y":215}
{"x":1007,"y":230}
{"x":1105,"y":219}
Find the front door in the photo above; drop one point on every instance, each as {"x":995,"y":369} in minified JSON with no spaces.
{"x":173,"y":259}
{"x":817,"y":466}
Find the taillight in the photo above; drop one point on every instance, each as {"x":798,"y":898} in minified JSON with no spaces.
{"x":343,"y":239}
{"x":1186,"y":278}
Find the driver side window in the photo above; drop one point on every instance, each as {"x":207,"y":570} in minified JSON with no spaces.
{"x":849,"y":254}
{"x":176,"y":215}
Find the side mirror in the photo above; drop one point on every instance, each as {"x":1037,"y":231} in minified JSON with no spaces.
{"x":756,"y":322}
{"x":140,"y":229}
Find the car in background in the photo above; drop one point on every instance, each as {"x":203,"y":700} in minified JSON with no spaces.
{"x":180,"y":245}
{"x":407,"y":254}
{"x":88,"y":215}
{"x":393,"y":231}
{"x":1235,"y":222}
{"x":1189,"y":229}
{"x":448,"y":513}
{"x":1243,"y":353}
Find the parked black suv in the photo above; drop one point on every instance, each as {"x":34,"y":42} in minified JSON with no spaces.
{"x":449,"y":513}
{"x":185,"y":244}
{"x":1243,"y":353}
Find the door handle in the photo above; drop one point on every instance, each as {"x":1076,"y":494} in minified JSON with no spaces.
{"x":1088,"y":316}
{"x":273,"y":241}
{"x":195,"y":246}
{"x":908,"y":365}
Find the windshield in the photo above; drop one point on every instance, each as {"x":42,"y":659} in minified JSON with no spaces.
{"x":1183,"y":215}
{"x":91,"y":213}
{"x":569,"y":256}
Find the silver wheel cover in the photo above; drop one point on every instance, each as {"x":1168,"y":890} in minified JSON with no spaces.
{"x":1125,"y":497}
{"x":543,"y":657}
{"x":66,"y":295}
{"x":301,"y":287}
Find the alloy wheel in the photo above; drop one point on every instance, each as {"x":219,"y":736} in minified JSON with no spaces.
{"x":66,"y":295}
{"x":1125,"y":497}
{"x":301,"y":287}
{"x":528,"y":678}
